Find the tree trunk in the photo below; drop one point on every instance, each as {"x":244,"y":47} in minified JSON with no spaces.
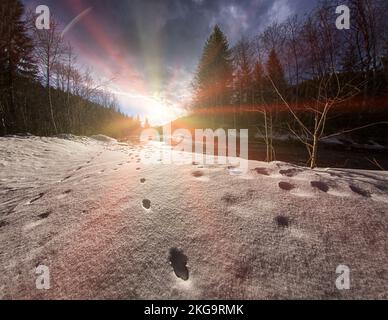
{"x":52,"y":111}
{"x":266,"y":135}
{"x":314,"y":153}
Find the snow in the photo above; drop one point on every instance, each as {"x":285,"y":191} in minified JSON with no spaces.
{"x":346,"y":141}
{"x":278,"y":231}
{"x":103,"y":138}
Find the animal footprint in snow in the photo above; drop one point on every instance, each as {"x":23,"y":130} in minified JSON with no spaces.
{"x":197,"y":174}
{"x":360,"y":191}
{"x":290,"y":172}
{"x":66,"y":178}
{"x":142,"y":180}
{"x":178,"y":262}
{"x":44,"y":215}
{"x":262,"y":171}
{"x":230,"y":199}
{"x":286,"y":186}
{"x":63,"y":195}
{"x":37,"y":198}
{"x":3,"y":223}
{"x":282,"y":221}
{"x":320,"y":185}
{"x":146,"y":204}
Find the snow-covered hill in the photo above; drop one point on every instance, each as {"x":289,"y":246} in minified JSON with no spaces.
{"x":109,"y":226}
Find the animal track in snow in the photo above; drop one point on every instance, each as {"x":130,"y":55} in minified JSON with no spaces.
{"x":142,"y":180}
{"x":44,"y":215}
{"x":63,"y":195}
{"x":262,"y":171}
{"x":360,"y":191}
{"x":146,"y":204}
{"x":320,"y":185}
{"x":3,"y":223}
{"x":66,"y":178}
{"x":230,"y":199}
{"x":178,"y":262}
{"x":282,"y":221}
{"x":36,"y":198}
{"x":197,"y":174}
{"x":290,"y":172}
{"x":286,"y":186}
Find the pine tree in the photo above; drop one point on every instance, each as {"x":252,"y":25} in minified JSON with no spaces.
{"x":275,"y":71}
{"x":16,"y":59}
{"x":214,"y":77}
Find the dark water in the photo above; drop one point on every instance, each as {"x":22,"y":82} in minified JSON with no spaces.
{"x":328,"y":155}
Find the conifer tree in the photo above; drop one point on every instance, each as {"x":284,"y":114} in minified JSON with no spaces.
{"x":214,"y":77}
{"x":16,"y":59}
{"x":275,"y":71}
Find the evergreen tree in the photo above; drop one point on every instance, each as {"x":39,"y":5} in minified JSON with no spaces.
{"x":16,"y":59}
{"x":275,"y":71}
{"x":214,"y":77}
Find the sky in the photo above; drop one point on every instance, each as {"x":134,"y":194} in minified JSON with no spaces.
{"x":150,"y":49}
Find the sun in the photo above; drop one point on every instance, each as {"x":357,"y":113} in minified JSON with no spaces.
{"x":151,"y":107}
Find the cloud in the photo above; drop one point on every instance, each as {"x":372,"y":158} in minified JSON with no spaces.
{"x":152,"y":47}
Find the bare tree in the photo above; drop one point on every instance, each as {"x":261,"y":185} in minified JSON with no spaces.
{"x":243,"y":55}
{"x":48,"y":54}
{"x":261,"y":105}
{"x":331,"y":93}
{"x":268,"y":44}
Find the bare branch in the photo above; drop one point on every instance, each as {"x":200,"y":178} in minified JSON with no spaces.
{"x":354,"y":129}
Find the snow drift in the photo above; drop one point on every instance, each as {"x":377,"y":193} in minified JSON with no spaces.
{"x":109,"y":226}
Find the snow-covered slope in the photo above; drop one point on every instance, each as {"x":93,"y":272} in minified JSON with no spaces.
{"x":109,"y":226}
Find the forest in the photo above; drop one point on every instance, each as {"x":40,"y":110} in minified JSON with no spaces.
{"x":303,"y":77}
{"x":43,"y":91}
